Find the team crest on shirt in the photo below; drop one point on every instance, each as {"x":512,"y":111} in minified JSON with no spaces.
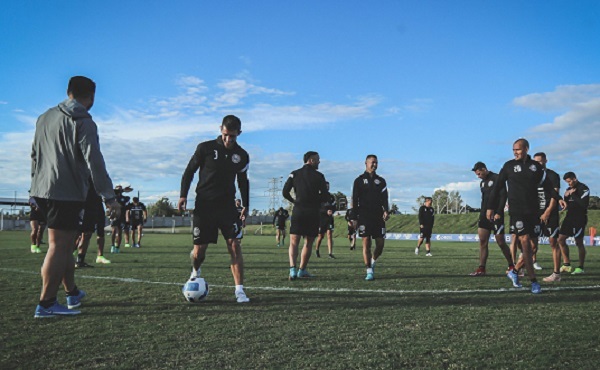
{"x":196,"y":231}
{"x":517,"y":168}
{"x":490,"y":183}
{"x":377,"y":182}
{"x":236,"y":158}
{"x":533,"y":168}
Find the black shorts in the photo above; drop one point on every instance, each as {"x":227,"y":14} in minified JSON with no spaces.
{"x":425,"y":232}
{"x":280,"y":227}
{"x":524,"y":224}
{"x":120,"y":223}
{"x":325,"y":224}
{"x":371,"y":226}
{"x":496,"y":227}
{"x":37,"y":215}
{"x":61,"y":214}
{"x":136,"y":223}
{"x":550,"y":229}
{"x":210,"y":217}
{"x":93,"y":215}
{"x":305,"y":222}
{"x":573,"y":227}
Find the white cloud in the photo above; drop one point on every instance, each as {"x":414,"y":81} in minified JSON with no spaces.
{"x":3,"y":102}
{"x":563,"y":97}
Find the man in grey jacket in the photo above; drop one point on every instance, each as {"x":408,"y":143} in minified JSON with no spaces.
{"x":65,"y":153}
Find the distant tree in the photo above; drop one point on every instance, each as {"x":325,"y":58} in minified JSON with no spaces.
{"x":254,"y":212}
{"x":594,"y":202}
{"x":394,"y":209}
{"x":447,"y":202}
{"x":341,"y":201}
{"x":162,"y":208}
{"x":420,"y":201}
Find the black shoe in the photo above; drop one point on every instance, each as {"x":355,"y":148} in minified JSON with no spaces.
{"x":352,"y":248}
{"x":331,"y":256}
{"x":318,"y":254}
{"x":80,"y":265}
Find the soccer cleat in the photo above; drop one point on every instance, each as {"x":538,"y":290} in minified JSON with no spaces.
{"x":53,"y":311}
{"x":429,"y":254}
{"x":417,"y":251}
{"x":553,"y":278}
{"x":536,"y":288}
{"x":240,"y":296}
{"x":80,"y":265}
{"x":35,"y":249}
{"x":278,"y":245}
{"x":352,"y":248}
{"x":512,"y":275}
{"x":370,"y":276}
{"x":293,"y":273}
{"x":318,"y":254}
{"x":74,"y":301}
{"x":479,"y":272}
{"x":331,"y":256}
{"x":127,"y":245}
{"x":577,"y":271}
{"x":137,"y":245}
{"x":195,"y":274}
{"x":564,"y":268}
{"x":102,"y":259}
{"x":114,"y":249}
{"x":537,"y":266}
{"x":304,"y":274}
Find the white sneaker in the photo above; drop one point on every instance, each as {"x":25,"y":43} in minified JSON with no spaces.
{"x":537,"y":266}
{"x":417,"y":251}
{"x":241,"y":297}
{"x":195,"y":274}
{"x":429,"y":254}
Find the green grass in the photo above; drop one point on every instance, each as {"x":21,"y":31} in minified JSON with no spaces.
{"x":420,"y":312}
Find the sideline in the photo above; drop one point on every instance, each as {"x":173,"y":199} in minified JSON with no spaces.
{"x":325,"y":290}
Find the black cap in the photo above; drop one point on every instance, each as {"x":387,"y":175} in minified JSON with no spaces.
{"x":479,"y":166}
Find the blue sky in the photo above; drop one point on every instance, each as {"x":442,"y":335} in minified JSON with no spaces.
{"x":431,"y":87}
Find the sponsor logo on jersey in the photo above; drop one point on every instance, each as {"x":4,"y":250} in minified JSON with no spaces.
{"x":236,"y":158}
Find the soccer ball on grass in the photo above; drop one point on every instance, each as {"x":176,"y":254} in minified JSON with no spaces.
{"x":195,"y":289}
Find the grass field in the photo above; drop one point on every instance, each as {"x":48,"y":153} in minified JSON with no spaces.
{"x":420,"y":312}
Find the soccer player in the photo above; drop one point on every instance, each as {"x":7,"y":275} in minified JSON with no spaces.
{"x":64,"y":154}
{"x":523,"y":176}
{"x":369,"y":212}
{"x":37,"y":220}
{"x":281,"y":215}
{"x":351,"y":229}
{"x":241,"y":212}
{"x":93,"y":220}
{"x":326,"y":225}
{"x":136,"y":216}
{"x":221,"y":162}
{"x":310,"y":191}
{"x":485,"y":227}
{"x":577,"y":197}
{"x":119,"y":224}
{"x":426,"y":220}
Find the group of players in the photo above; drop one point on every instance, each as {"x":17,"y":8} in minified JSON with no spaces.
{"x":60,"y":196}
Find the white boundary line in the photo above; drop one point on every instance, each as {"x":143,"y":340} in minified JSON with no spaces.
{"x":327,"y":290}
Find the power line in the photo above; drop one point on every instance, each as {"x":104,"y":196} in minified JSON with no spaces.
{"x":274,"y":192}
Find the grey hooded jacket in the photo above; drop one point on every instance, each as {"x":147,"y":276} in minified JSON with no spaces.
{"x":65,"y":153}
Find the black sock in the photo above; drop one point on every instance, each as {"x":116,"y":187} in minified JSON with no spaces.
{"x":73,"y":292}
{"x":80,"y":257}
{"x":566,"y":264}
{"x":48,"y":302}
{"x":533,"y":280}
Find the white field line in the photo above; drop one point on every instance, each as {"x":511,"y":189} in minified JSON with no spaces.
{"x":326,"y":290}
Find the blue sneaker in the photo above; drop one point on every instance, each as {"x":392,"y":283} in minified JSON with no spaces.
{"x":53,"y":311}
{"x":370,"y":277}
{"x":536,"y":288}
{"x":293,"y":273}
{"x":512,"y":275}
{"x":304,"y":274}
{"x":74,"y":301}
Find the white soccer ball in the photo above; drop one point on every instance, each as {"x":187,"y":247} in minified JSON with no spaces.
{"x":195,"y":289}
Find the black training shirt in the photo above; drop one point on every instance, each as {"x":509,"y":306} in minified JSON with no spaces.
{"x":369,"y":195}
{"x":309,"y":187}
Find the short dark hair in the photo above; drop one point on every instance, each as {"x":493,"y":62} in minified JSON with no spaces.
{"x":371,"y":156}
{"x":309,"y":154}
{"x":136,"y":199}
{"x":524,"y":141}
{"x":232,"y":123}
{"x":540,"y":154}
{"x":428,"y":198}
{"x":81,"y":87}
{"x":479,"y":166}
{"x":569,"y":175}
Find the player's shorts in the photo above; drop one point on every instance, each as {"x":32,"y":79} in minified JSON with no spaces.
{"x":61,"y":214}
{"x":524,"y":224}
{"x":551,"y":228}
{"x":371,"y":226}
{"x":210,"y":217}
{"x":351,"y":230}
{"x":425,"y":232}
{"x":280,"y":226}
{"x":305,"y":222}
{"x":37,"y":215}
{"x":325,"y":224}
{"x":240,"y":234}
{"x":573,"y":227}
{"x":136,"y":223}
{"x":93,"y":214}
{"x":496,"y":227}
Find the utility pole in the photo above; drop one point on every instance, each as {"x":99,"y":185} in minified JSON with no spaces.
{"x":274,"y":192}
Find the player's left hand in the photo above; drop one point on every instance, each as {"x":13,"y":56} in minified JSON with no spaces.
{"x":562,"y":204}
{"x":544,"y":217}
{"x":386,"y":216}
